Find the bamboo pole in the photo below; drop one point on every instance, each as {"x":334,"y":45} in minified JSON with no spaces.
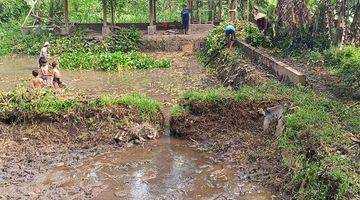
{"x":66,"y":14}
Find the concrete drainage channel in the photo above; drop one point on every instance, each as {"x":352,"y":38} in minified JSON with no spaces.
{"x":283,"y":71}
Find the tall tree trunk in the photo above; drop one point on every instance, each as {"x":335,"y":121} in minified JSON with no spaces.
{"x":342,"y":28}
{"x":291,"y":14}
{"x":233,"y":11}
{"x":355,"y":26}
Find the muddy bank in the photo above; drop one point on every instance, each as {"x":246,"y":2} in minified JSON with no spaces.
{"x":241,"y":133}
{"x":233,"y":69}
{"x":43,"y":129}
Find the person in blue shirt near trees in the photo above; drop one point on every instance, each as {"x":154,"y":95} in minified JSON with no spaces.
{"x":230,"y":35}
{"x":185,"y":16}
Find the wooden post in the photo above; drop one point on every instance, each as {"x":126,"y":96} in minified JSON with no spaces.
{"x":151,"y":12}
{"x":113,"y":13}
{"x":233,"y":11}
{"x":155,"y":12}
{"x":105,"y":12}
{"x":66,"y":14}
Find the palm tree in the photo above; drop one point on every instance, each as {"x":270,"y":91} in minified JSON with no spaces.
{"x":291,"y":14}
{"x":355,"y":26}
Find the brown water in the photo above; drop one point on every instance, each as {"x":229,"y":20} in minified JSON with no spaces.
{"x":164,"y":85}
{"x":164,"y":169}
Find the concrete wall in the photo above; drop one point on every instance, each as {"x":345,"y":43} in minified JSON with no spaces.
{"x":97,"y":27}
{"x":281,"y":69}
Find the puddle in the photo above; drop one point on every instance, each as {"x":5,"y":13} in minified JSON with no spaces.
{"x":165,"y":169}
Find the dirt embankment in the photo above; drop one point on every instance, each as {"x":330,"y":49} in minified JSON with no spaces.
{"x":237,"y":132}
{"x":31,"y":144}
{"x":233,"y":69}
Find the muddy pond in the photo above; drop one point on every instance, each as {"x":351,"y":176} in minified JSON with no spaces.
{"x":167,"y":168}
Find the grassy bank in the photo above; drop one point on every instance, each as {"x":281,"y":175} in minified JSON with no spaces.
{"x":316,"y":144}
{"x":24,"y":105}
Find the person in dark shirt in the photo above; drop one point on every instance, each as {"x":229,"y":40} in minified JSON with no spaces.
{"x":185,"y":16}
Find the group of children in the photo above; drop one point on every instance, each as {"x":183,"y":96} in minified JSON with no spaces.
{"x":47,"y":76}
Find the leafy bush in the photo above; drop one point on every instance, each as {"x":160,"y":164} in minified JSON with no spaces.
{"x":11,"y":9}
{"x":123,"y":40}
{"x":215,"y":41}
{"x":345,"y":63}
{"x":301,"y":39}
{"x":30,"y":44}
{"x":255,"y":38}
{"x":110,"y":61}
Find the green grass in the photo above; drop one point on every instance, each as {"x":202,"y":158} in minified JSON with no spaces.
{"x":316,"y":128}
{"x":26,"y":104}
{"x":215,"y":95}
{"x":177,"y":110}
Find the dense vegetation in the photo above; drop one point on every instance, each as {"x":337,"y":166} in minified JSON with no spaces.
{"x":345,"y":63}
{"x":118,"y":51}
{"x":317,"y":136}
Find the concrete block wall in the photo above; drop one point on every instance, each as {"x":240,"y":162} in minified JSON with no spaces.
{"x":281,"y":69}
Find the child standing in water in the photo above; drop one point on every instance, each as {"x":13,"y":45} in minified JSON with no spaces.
{"x":56,"y":76}
{"x":46,"y":74}
{"x":36,"y":82}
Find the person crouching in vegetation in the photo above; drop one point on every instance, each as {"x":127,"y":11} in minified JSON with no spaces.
{"x":56,"y":76}
{"x":185,"y":16}
{"x":44,"y":54}
{"x":230,"y":35}
{"x":45,"y":73}
{"x":36,"y":82}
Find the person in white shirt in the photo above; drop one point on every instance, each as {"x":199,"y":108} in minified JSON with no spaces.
{"x":44,"y":54}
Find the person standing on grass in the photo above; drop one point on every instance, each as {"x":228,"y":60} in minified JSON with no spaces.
{"x":185,"y":16}
{"x":230,"y":35}
{"x":44,"y":54}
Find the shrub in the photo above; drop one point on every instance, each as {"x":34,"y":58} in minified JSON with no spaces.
{"x":11,"y":9}
{"x":255,"y":38}
{"x":345,"y":63}
{"x":110,"y":61}
{"x":301,"y":39}
{"x":123,"y":40}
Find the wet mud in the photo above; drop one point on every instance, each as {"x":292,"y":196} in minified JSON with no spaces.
{"x":166,"y":168}
{"x":241,"y":133}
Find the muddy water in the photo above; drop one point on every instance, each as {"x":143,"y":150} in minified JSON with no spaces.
{"x":164,"y":169}
{"x":164,"y":85}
